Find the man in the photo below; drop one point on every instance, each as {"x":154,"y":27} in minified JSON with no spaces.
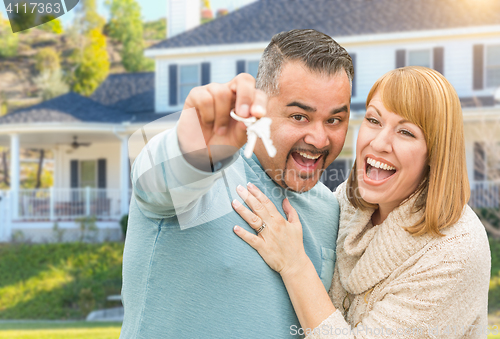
{"x":185,"y":273}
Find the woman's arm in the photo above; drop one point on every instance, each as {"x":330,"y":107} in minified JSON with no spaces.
{"x":281,"y":245}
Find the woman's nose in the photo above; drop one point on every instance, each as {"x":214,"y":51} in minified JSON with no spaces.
{"x":383,"y":141}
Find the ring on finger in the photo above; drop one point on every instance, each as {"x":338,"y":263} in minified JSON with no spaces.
{"x":261,"y":227}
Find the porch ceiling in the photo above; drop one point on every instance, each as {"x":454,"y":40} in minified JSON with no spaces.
{"x":49,"y":139}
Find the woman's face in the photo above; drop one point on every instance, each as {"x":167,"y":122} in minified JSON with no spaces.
{"x":392,"y":154}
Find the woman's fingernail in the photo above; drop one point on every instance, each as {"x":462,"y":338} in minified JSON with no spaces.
{"x":250,"y":185}
{"x":240,"y":188}
{"x":258,"y":110}
{"x":236,"y":228}
{"x":236,"y":203}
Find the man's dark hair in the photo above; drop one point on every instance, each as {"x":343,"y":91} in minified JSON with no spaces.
{"x":319,"y":52}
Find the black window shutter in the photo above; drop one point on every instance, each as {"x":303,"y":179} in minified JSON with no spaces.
{"x":172,"y":84}
{"x":400,"y":58}
{"x":438,"y":62}
{"x":101,"y":173}
{"x":205,"y":73}
{"x":353,"y":57}
{"x":240,"y":66}
{"x":478,"y":67}
{"x":74,"y":173}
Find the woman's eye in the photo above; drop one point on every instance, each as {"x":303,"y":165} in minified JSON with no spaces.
{"x":372,"y":121}
{"x":298,"y":117}
{"x":407,"y":133}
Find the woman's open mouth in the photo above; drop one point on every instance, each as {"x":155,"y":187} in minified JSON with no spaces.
{"x":378,"y":172}
{"x":306,"y":161}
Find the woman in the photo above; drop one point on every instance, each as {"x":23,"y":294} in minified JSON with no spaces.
{"x":413,"y":259}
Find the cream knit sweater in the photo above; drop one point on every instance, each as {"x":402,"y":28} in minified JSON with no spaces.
{"x":388,"y":283}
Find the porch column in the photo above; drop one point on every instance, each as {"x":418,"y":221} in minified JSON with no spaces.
{"x":354,"y":140}
{"x":124,"y":175}
{"x":14,"y":174}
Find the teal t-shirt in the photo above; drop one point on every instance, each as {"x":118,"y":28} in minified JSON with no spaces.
{"x":186,"y":274}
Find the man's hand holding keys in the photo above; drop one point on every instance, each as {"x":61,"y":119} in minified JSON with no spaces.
{"x":209,"y":107}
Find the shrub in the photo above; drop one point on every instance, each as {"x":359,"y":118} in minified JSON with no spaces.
{"x":8,"y":41}
{"x":47,"y":59}
{"x":123,"y":224}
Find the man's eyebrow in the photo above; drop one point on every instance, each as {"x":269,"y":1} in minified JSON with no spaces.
{"x":302,"y":106}
{"x":340,"y":110}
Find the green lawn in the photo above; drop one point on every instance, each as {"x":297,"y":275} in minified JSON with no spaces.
{"x":59,"y":330}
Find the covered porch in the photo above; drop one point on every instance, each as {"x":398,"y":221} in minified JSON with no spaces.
{"x":91,"y":178}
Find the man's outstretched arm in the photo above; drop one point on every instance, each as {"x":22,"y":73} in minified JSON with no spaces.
{"x":179,"y":166}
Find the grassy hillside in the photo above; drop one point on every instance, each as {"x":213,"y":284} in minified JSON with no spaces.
{"x":58,"y":281}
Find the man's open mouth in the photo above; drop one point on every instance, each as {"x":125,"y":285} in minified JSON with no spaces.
{"x":378,"y":171}
{"x":306,"y":161}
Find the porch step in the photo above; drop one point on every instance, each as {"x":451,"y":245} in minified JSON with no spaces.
{"x":108,"y":314}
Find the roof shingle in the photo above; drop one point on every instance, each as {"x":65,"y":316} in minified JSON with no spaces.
{"x":127,"y":92}
{"x":259,"y":21}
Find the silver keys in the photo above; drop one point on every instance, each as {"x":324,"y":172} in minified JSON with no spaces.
{"x":257,"y":128}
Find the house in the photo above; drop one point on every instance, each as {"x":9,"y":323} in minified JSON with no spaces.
{"x":459,"y":38}
{"x":90,"y":141}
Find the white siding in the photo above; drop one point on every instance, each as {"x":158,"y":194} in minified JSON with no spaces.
{"x":182,"y":15}
{"x":161,"y":86}
{"x":222,"y":70}
{"x":373,"y":59}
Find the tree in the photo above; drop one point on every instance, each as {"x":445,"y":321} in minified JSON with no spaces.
{"x":55,"y":26}
{"x":87,"y":16}
{"x":8,"y":40}
{"x":93,"y":64}
{"x":51,"y":84}
{"x":155,"y":30}
{"x":125,"y":26}
{"x":90,"y":59}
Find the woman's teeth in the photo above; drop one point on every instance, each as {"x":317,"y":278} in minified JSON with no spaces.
{"x":379,"y":164}
{"x":307,"y":156}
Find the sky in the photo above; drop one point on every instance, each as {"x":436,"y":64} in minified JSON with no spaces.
{"x":152,"y":9}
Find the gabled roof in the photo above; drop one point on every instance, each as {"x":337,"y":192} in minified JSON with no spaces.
{"x":70,"y":107}
{"x":127,"y":92}
{"x":127,"y":97}
{"x":259,"y":21}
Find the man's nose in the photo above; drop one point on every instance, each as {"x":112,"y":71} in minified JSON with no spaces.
{"x":317,"y":136}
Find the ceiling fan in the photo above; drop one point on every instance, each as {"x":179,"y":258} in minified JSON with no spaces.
{"x":75,"y":144}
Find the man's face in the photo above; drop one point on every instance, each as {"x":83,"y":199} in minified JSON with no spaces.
{"x":310,"y":120}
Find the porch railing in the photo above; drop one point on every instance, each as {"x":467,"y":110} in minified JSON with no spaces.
{"x":67,"y":204}
{"x":485,"y":195}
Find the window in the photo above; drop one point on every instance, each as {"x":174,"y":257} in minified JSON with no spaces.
{"x":88,"y":173}
{"x":493,"y":66}
{"x":189,"y":77}
{"x":252,"y":68}
{"x":420,"y":58}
